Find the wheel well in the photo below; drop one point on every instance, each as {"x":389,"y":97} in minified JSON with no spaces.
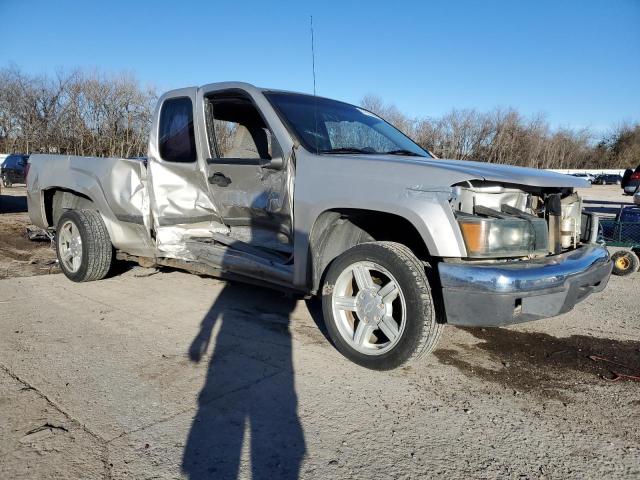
{"x":57,"y":200}
{"x":390,"y":228}
{"x":335,"y":231}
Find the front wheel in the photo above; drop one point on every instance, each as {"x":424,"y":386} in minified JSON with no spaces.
{"x":83,"y":245}
{"x":6,"y":181}
{"x":377,"y":305}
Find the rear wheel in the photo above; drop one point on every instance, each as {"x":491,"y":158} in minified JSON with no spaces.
{"x":83,"y":245}
{"x":378,"y":307}
{"x":625,"y":262}
{"x":6,"y":181}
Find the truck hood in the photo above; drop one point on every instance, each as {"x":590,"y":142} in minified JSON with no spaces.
{"x":461,"y":170}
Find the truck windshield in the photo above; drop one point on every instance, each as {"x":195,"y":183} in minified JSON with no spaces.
{"x":327,"y":126}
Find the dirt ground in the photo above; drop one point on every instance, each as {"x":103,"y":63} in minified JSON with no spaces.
{"x":162,"y":374}
{"x":19,"y":256}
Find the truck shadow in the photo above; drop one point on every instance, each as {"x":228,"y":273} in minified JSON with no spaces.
{"x":541,"y":364}
{"x":248,"y":400}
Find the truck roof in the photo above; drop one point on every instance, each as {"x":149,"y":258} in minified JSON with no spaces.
{"x":239,"y":85}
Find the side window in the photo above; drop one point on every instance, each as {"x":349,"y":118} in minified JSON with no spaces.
{"x":237,"y":129}
{"x":176,"y":136}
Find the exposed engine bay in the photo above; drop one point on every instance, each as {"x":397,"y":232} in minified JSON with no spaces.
{"x":500,"y":220}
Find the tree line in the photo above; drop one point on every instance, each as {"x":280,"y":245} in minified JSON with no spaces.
{"x":74,"y":113}
{"x":94,"y":114}
{"x":506,"y":136}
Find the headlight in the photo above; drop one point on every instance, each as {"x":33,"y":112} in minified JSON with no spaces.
{"x":503,"y":237}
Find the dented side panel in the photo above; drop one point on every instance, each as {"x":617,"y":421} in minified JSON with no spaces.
{"x":116,"y":186}
{"x":180,"y":201}
{"x":251,"y":194}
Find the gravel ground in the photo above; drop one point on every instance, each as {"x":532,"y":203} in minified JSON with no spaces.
{"x":605,"y":200}
{"x":162,"y":374}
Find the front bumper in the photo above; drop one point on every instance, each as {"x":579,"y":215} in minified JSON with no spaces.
{"x":503,"y":294}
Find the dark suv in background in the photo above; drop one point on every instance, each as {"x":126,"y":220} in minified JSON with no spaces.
{"x":13,"y":169}
{"x":607,"y":179}
{"x":630,"y":183}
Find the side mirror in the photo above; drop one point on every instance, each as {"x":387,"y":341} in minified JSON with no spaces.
{"x":276,"y":162}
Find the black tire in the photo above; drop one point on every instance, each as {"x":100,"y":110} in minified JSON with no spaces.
{"x":7,"y":182}
{"x":625,"y":263}
{"x":97,"y":250}
{"x":421,"y":331}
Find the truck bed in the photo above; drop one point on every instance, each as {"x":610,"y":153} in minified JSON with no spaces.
{"x":117,"y":187}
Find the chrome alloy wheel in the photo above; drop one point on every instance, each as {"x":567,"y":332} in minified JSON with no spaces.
{"x":70,"y":246}
{"x":369,"y":308}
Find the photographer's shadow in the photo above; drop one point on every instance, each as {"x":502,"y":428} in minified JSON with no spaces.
{"x":249,"y":393}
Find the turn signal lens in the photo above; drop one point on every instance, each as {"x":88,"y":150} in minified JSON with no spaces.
{"x":473,"y":235}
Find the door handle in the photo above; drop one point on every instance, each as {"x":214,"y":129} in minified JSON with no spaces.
{"x":219,"y":179}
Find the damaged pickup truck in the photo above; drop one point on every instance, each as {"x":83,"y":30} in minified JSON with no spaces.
{"x":325,"y":198}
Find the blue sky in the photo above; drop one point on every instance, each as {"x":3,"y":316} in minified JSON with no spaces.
{"x":577,"y":62}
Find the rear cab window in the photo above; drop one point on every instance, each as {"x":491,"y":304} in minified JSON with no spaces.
{"x":176,"y":135}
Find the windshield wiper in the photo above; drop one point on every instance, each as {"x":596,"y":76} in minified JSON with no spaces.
{"x":403,"y":152}
{"x":346,"y":150}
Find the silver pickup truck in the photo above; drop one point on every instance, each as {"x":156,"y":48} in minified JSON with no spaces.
{"x":325,"y":198}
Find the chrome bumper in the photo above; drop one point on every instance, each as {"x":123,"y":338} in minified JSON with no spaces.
{"x":500,"y":294}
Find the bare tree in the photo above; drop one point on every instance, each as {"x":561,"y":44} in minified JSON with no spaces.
{"x":90,"y":113}
{"x":505,"y":136}
{"x":74,"y":113}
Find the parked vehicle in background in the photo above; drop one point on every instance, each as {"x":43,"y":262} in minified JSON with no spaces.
{"x":586,"y":176}
{"x":607,"y":179}
{"x":13,"y":169}
{"x":626,"y":176}
{"x":325,"y":198}
{"x":634,"y":182}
